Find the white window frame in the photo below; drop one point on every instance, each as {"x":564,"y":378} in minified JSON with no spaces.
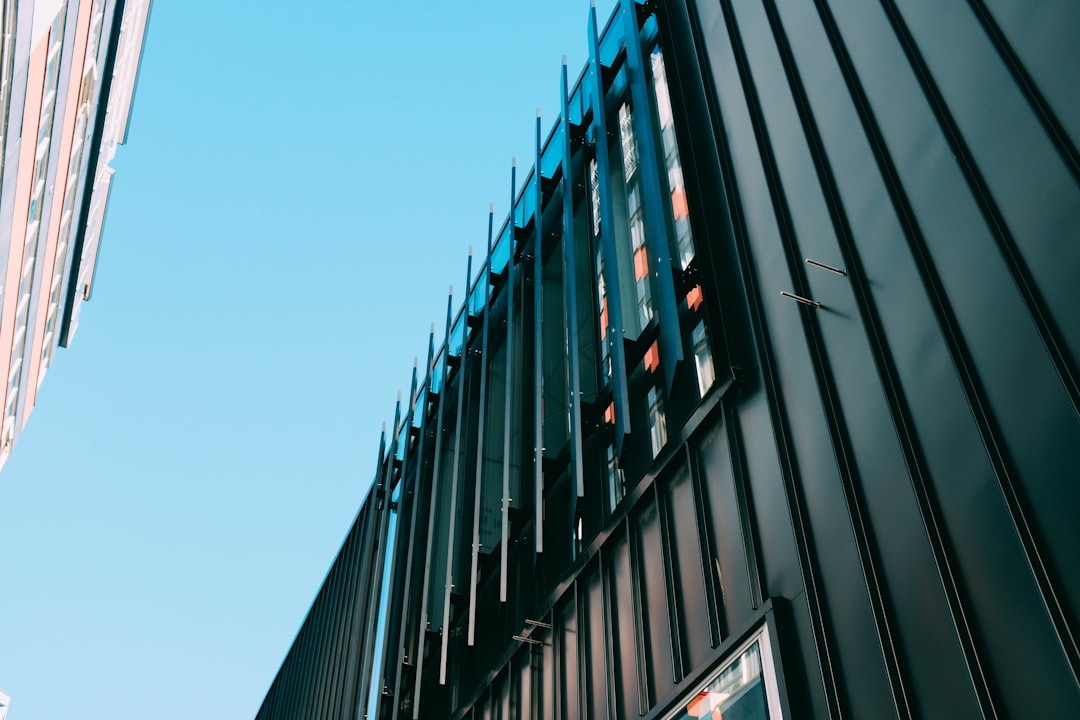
{"x":763,"y":639}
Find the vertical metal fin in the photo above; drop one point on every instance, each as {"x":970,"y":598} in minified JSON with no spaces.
{"x":508,"y":397}
{"x":607,"y":240}
{"x":403,"y":639}
{"x":378,"y":567}
{"x":538,"y":348}
{"x":479,"y":486}
{"x":374,"y":567}
{"x":570,"y":286}
{"x":461,"y":378}
{"x":671,"y":350}
{"x":435,"y":470}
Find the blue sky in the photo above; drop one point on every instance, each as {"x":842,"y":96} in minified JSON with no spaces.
{"x":299,"y":189}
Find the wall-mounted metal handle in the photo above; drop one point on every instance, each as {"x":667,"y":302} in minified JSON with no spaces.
{"x":798,"y":298}
{"x":823,"y":266}
{"x":523,"y":639}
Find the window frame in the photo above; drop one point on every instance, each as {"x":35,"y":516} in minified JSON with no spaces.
{"x":763,"y":639}
{"x":762,"y":628}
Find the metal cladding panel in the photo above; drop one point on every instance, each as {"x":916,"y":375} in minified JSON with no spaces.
{"x":926,"y":412}
{"x":867,"y":510}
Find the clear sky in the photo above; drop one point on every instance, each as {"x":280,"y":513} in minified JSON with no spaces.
{"x":300,"y":186}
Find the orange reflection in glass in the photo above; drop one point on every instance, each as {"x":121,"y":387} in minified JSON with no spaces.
{"x":693,"y":298}
{"x":652,"y":357}
{"x":678,"y":203}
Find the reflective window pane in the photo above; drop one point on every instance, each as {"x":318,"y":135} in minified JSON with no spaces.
{"x":703,"y":361}
{"x":657,"y":421}
{"x":682,"y":247}
{"x":737,"y":692}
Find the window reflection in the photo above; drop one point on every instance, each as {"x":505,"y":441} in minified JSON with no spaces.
{"x":737,"y":692}
{"x":616,"y":479}
{"x":594,"y":196}
{"x":683,"y":248}
{"x":601,"y":287}
{"x":657,"y":421}
{"x":703,"y":360}
{"x":635,"y":217}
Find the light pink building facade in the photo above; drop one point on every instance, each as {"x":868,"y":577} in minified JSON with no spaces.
{"x":68,"y":76}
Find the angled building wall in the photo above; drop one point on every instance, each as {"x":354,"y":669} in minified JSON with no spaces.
{"x":59,"y":76}
{"x":764,"y":402}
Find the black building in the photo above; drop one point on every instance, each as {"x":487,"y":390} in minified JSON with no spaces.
{"x":766,"y":400}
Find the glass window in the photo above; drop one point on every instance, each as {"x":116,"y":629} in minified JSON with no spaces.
{"x":478,"y":297}
{"x":437,"y":371}
{"x":626,"y":136}
{"x":526,"y":201}
{"x":703,"y":361}
{"x":500,"y":255}
{"x":420,"y":406}
{"x":616,"y":479}
{"x":594,"y":195}
{"x":682,"y":246}
{"x":7,"y":68}
{"x":635,"y":217}
{"x":605,"y":321}
{"x":657,"y":421}
{"x":601,"y":288}
{"x":457,"y":334}
{"x":743,"y":688}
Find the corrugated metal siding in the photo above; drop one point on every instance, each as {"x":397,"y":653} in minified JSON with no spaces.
{"x":320,"y":677}
{"x":925,"y":418}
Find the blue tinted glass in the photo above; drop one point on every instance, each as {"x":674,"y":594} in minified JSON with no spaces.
{"x":527,"y":201}
{"x":478,"y":296}
{"x":419,"y":408}
{"x":578,"y":100}
{"x":650,"y":30}
{"x":500,"y":254}
{"x":402,"y":442}
{"x":738,"y":691}
{"x":437,"y":372}
{"x":618,"y":85}
{"x":610,"y":40}
{"x":457,"y":335}
{"x":552,"y":154}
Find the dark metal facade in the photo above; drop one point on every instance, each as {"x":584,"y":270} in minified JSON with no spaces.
{"x":764,"y":403}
